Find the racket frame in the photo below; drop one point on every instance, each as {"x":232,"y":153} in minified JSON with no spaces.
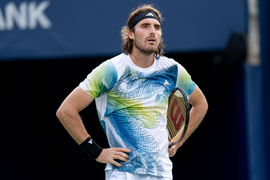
{"x":187,"y":106}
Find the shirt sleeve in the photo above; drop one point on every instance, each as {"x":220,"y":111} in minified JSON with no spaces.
{"x":100,"y":80}
{"x":184,"y":80}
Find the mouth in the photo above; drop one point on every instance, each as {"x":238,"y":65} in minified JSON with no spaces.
{"x":151,"y":40}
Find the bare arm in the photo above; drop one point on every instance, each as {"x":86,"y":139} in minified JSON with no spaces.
{"x":197,"y":113}
{"x":68,"y":114}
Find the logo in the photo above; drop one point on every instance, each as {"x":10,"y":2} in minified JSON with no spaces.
{"x":90,"y":141}
{"x":150,"y":14}
{"x":176,"y":114}
{"x":166,"y":83}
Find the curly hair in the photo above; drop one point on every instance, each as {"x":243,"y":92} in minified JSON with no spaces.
{"x":127,"y":43}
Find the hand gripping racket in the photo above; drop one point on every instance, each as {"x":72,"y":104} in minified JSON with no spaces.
{"x":177,"y":116}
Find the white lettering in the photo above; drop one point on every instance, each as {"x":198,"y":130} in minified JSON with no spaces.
{"x":2,"y":23}
{"x":25,"y":16}
{"x":14,"y":15}
{"x":37,"y":15}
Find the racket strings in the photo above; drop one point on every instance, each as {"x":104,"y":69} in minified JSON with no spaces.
{"x":173,"y":124}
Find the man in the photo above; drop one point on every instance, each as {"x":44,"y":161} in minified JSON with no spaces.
{"x":131,"y":93}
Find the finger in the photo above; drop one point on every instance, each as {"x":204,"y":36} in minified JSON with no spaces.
{"x":116,"y":163}
{"x":171,"y":153}
{"x":120,"y":158}
{"x":172,"y":147}
{"x":122,"y":149}
{"x":124,"y":155}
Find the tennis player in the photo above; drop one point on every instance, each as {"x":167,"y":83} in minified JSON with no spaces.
{"x":131,"y":94}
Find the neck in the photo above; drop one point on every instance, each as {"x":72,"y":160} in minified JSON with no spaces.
{"x":142,"y":60}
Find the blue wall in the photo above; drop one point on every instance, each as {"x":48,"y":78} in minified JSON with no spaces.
{"x":61,"y":28}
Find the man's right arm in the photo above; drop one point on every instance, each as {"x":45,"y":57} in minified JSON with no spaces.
{"x":68,"y":114}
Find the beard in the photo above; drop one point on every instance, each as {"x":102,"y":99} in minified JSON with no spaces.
{"x":146,"y":49}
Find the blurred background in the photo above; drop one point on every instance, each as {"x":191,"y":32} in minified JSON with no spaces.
{"x":47,"y":48}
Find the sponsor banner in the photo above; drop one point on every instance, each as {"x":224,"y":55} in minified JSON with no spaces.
{"x":64,"y":28}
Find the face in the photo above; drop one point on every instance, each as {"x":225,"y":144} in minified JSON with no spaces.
{"x":146,"y":36}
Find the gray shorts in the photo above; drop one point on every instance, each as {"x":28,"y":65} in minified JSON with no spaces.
{"x":118,"y":175}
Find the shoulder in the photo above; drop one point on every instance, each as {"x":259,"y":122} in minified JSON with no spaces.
{"x":111,"y":63}
{"x":118,"y":59}
{"x":167,"y":62}
{"x":165,"y":58}
{"x":110,"y":68}
{"x":118,"y":63}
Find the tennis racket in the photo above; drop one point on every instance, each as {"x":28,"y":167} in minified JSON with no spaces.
{"x":177,"y":116}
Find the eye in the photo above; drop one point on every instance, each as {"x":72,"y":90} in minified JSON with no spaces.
{"x":157,"y":27}
{"x":144,"y":25}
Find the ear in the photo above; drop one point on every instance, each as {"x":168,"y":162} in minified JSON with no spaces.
{"x":131,"y":35}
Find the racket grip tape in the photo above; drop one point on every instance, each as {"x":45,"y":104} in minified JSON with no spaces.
{"x":91,"y":148}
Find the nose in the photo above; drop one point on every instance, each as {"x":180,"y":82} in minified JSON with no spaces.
{"x":152,"y":30}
